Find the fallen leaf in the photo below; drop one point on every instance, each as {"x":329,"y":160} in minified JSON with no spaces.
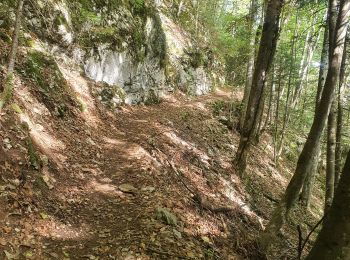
{"x":3,"y":242}
{"x":43,"y":215}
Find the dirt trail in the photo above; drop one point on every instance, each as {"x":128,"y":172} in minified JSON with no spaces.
{"x":136,"y":182}
{"x":109,"y":178}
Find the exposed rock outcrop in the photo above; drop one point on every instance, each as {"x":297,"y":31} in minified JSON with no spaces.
{"x":137,"y":48}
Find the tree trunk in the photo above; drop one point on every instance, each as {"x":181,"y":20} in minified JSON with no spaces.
{"x":269,"y":113}
{"x":275,"y":136}
{"x":179,"y":10}
{"x":323,"y":66}
{"x":305,"y":196}
{"x":250,"y":66}
{"x":333,"y":240}
{"x":308,"y":153}
{"x":264,"y":59}
{"x":330,"y":172}
{"x":308,"y":52}
{"x":289,"y":90}
{"x":338,"y":148}
{"x":8,"y":87}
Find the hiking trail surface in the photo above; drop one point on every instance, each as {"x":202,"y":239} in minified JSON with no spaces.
{"x":138,"y":182}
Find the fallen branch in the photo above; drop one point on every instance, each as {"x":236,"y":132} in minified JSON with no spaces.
{"x":308,"y":236}
{"x":270,"y":198}
{"x":300,"y":243}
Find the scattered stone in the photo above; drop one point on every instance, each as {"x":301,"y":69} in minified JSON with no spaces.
{"x":3,"y":242}
{"x":148,"y":189}
{"x":177,"y":234}
{"x":127,"y":188}
{"x":7,"y":143}
{"x":166,"y":216}
{"x":206,"y":239}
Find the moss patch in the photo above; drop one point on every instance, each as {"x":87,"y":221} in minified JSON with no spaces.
{"x":111,"y":96}
{"x":49,"y":87}
{"x":34,"y":158}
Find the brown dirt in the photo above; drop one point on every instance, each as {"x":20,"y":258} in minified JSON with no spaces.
{"x":86,"y":215}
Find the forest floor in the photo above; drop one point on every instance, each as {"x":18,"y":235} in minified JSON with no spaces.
{"x":139,"y":182}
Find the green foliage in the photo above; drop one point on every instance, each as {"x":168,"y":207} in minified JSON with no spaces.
{"x":152,"y":98}
{"x":166,"y":216}
{"x":39,"y":67}
{"x":218,"y":106}
{"x":138,"y":39}
{"x":5,"y":36}
{"x":159,"y":42}
{"x":111,"y":96}
{"x":16,"y":108}
{"x":82,"y":105}
{"x":138,"y":6}
{"x":211,"y":253}
{"x":34,"y":158}
{"x":185,"y":116}
{"x":50,"y":86}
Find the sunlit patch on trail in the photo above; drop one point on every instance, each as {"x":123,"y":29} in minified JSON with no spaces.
{"x":105,"y":188}
{"x":33,"y":114}
{"x":110,"y":143}
{"x":200,"y":226}
{"x":189,"y":146}
{"x":80,"y":87}
{"x":278,"y":177}
{"x":54,"y":229}
{"x":237,"y":199}
{"x":48,"y":144}
{"x":198,"y":105}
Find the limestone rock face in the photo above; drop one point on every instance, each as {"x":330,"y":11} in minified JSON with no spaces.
{"x":141,"y":80}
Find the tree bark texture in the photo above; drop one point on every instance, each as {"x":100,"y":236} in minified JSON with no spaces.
{"x":264,"y":59}
{"x":250,"y":66}
{"x":7,"y":92}
{"x":333,"y":240}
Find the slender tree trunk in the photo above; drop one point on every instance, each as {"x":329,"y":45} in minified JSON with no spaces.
{"x":250,"y":66}
{"x":323,"y":66}
{"x":264,"y":59}
{"x":179,"y":10}
{"x":279,"y":91}
{"x":333,"y":240}
{"x":261,"y":117}
{"x":8,"y":86}
{"x":308,"y":153}
{"x":330,"y":172}
{"x":303,"y":67}
{"x":305,"y":196}
{"x":289,"y":91}
{"x":331,"y":136}
{"x":304,"y":75}
{"x":338,"y":148}
{"x":269,"y":112}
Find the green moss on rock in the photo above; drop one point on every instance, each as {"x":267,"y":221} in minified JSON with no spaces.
{"x":50,"y":87}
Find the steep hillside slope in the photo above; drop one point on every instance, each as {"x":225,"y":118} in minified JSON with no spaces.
{"x":118,"y":144}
